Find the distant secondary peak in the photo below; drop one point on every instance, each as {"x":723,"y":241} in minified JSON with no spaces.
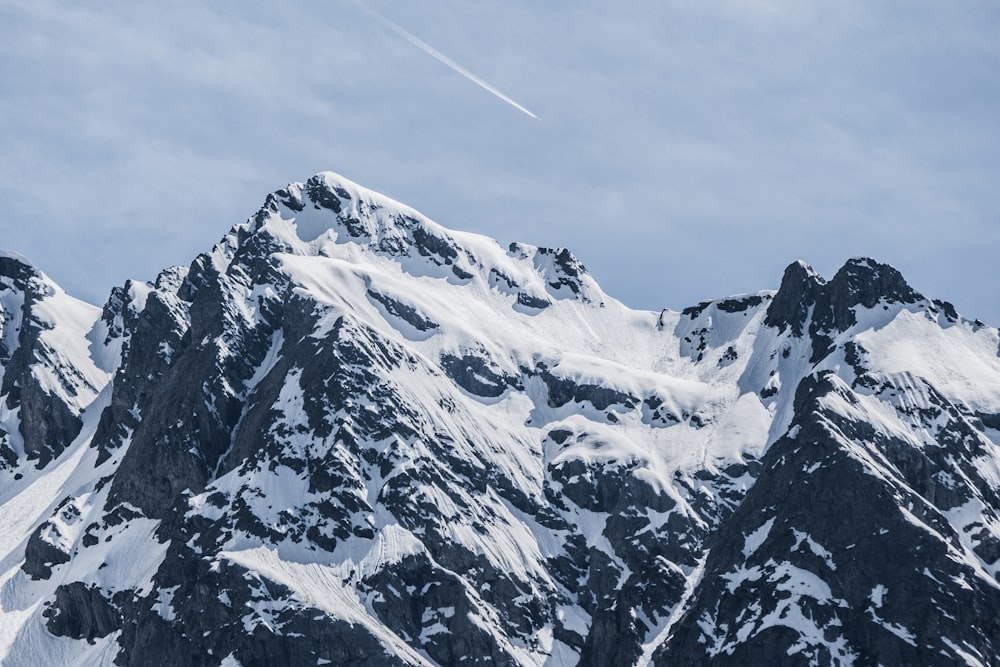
{"x":863,"y":281}
{"x":804,"y":296}
{"x":801,"y":268}
{"x":800,"y":289}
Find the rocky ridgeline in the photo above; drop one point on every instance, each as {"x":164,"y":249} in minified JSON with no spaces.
{"x":349,"y":436}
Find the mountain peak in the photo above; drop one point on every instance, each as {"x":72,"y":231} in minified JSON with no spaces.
{"x":17,"y":267}
{"x":863,"y":281}
{"x":327,"y":202}
{"x":804,"y":295}
{"x":800,"y":287}
{"x":333,"y":217}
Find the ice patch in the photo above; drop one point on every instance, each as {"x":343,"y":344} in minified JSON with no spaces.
{"x":756,"y":538}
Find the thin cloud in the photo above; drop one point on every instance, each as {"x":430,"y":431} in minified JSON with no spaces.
{"x":427,"y":48}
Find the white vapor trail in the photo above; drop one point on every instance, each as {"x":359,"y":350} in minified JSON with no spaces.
{"x":427,"y":48}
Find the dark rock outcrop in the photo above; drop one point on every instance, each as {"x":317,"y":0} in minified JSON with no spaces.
{"x":82,"y":612}
{"x":806,"y":302}
{"x":47,"y":424}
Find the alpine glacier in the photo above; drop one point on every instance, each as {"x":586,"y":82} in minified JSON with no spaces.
{"x":347,"y":435}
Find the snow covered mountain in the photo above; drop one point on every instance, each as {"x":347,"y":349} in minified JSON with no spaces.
{"x":349,"y":436}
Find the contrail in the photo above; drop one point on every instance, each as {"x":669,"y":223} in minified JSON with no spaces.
{"x":427,"y":48}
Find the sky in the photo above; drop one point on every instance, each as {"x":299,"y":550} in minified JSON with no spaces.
{"x":682,"y":150}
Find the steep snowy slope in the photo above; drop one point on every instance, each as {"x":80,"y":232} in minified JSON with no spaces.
{"x":347,"y":435}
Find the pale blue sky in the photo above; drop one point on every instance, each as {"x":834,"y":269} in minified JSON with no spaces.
{"x":684,"y":150}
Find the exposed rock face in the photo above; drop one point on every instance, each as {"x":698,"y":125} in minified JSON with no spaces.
{"x":80,"y":612}
{"x":47,"y":417}
{"x":832,"y":548}
{"x":349,"y":436}
{"x":829,"y":307}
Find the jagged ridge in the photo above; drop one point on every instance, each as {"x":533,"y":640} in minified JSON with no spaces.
{"x":348,"y":435}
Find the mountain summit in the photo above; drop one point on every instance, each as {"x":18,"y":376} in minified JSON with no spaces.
{"x":347,"y":435}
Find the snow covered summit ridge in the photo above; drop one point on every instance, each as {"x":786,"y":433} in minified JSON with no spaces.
{"x":331,"y":216}
{"x":328,"y":191}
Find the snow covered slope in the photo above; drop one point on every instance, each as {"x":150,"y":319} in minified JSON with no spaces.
{"x":348,"y":435}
